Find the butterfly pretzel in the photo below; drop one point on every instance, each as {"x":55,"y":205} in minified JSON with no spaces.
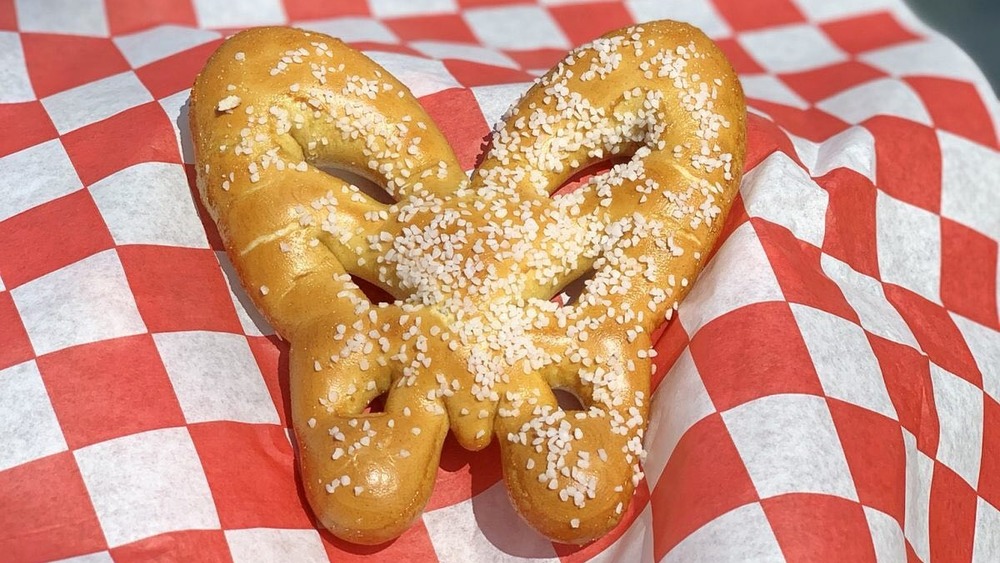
{"x":474,"y":342}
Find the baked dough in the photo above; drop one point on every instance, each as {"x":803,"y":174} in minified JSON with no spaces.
{"x":474,"y":342}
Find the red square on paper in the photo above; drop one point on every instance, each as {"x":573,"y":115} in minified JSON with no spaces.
{"x":797,"y":266}
{"x":873,"y":446}
{"x":50,"y":236}
{"x":14,"y":344}
{"x":989,"y":473}
{"x":414,"y":545}
{"x":313,"y":10}
{"x":704,"y":478}
{"x":907,"y":161}
{"x":738,"y":57}
{"x":537,"y":59}
{"x":141,"y":134}
{"x":8,"y":19}
{"x":179,"y":289}
{"x":127,"y":16}
{"x":60,"y":62}
{"x":956,"y":106}
{"x":177,"y":72}
{"x":469,"y":73}
{"x":867,"y":32}
{"x":271,"y":355}
{"x":969,"y":273}
{"x":753,"y":352}
{"x":763,"y":139}
{"x":812,"y":123}
{"x":208,"y":546}
{"x":743,"y":15}
{"x":952,"y":516}
{"x":823,"y":82}
{"x":815,"y":527}
{"x":936,"y":332}
{"x":109,"y":389}
{"x":457,"y":114}
{"x":25,"y":125}
{"x":437,"y":27}
{"x":850,"y":220}
{"x":907,"y":376}
{"x":251,"y":471}
{"x":463,"y":474}
{"x":47,"y":513}
{"x":584,"y":22}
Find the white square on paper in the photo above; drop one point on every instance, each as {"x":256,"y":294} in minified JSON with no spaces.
{"x":919,"y":474}
{"x":845,"y":363}
{"x":742,"y":534}
{"x":215,"y":377}
{"x":34,"y":176}
{"x":96,"y":557}
{"x":28,"y":426}
{"x":885,"y":96}
{"x":932,"y":55}
{"x":84,"y":302}
{"x":495,"y":100}
{"x":422,"y":76}
{"x":267,"y":544}
{"x":679,"y":402}
{"x":770,"y":89}
{"x":176,"y":107}
{"x":352,"y":30}
{"x":780,"y":191}
{"x":15,"y":85}
{"x":150,"y":203}
{"x":791,"y":48}
{"x":245,"y":13}
{"x":959,"y":406}
{"x":151,"y":45}
{"x":635,"y":545}
{"x":516,"y":28}
{"x":147,"y":484}
{"x":67,"y":17}
{"x":790,"y":445}
{"x":96,"y":101}
{"x":699,"y":14}
{"x":459,"y":51}
{"x":251,"y":320}
{"x":887,"y":536}
{"x":853,"y":148}
{"x":487,"y":526}
{"x":986,"y":546}
{"x":970,"y":184}
{"x":867,"y":297}
{"x":399,"y":8}
{"x":984,"y":343}
{"x":820,"y":10}
{"x":909,"y":246}
{"x":739,"y":275}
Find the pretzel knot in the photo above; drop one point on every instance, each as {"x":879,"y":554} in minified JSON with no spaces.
{"x":474,"y":342}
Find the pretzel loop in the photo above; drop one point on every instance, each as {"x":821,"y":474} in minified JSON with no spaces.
{"x":473,"y":342}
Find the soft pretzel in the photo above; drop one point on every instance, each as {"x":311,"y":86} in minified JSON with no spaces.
{"x":474,"y":342}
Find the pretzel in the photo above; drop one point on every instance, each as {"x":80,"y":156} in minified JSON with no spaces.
{"x":474,"y":342}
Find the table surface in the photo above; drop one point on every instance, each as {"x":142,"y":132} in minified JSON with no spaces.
{"x":970,"y":23}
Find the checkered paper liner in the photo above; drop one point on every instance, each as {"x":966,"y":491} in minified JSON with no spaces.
{"x":829,"y":390}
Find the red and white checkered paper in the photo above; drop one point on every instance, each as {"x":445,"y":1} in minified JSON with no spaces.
{"x":830,"y":390}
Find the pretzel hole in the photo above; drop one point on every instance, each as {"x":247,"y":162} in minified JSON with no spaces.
{"x":583,"y":175}
{"x":567,"y":399}
{"x":374,"y":293}
{"x":377,"y":405}
{"x":367,"y":186}
{"x":571,"y":292}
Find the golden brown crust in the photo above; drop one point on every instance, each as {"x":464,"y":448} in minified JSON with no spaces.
{"x":473,"y":343}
